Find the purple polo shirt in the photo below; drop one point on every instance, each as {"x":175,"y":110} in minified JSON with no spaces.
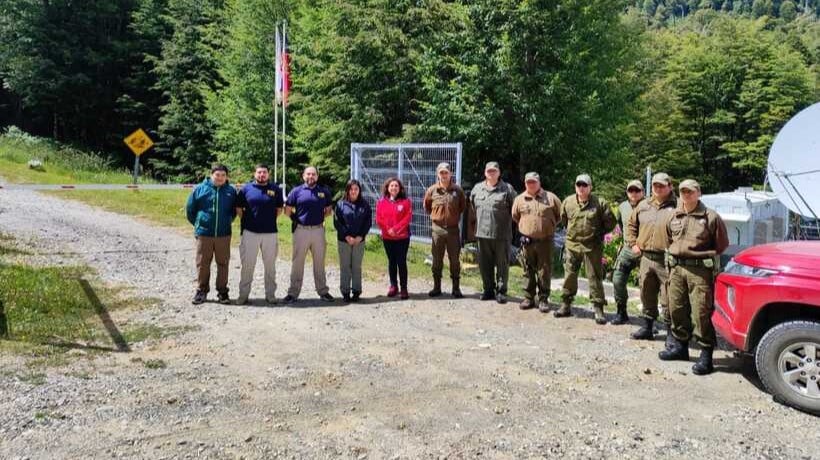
{"x":310,"y":203}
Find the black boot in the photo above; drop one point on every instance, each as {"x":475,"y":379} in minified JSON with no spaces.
{"x":436,"y":291}
{"x":600,"y":317}
{"x":678,"y":352}
{"x":621,"y":317}
{"x":456,"y":289}
{"x":670,"y":339}
{"x":704,"y":365}
{"x":645,"y":332}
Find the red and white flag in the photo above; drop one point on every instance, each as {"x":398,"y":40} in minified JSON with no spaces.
{"x":282,"y":67}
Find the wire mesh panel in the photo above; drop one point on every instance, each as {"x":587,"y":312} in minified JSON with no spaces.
{"x":414,"y":164}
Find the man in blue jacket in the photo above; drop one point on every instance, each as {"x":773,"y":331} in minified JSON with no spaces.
{"x":210,"y":209}
{"x":258,"y":205}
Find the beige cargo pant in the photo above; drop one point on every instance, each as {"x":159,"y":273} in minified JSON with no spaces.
{"x":249,"y":247}
{"x":306,"y":239}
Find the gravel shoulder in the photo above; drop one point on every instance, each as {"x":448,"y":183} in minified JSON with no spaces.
{"x":382,"y":379}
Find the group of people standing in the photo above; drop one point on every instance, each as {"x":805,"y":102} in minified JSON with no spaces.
{"x":674,"y":243}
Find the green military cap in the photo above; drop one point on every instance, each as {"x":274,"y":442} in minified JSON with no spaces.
{"x":689,"y":184}
{"x":492,"y":165}
{"x":443,"y":165}
{"x":584,"y":179}
{"x":661,"y":178}
{"x":634,"y":184}
{"x":532,"y":176}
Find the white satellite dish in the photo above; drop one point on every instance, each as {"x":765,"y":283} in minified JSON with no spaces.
{"x":794,"y":163}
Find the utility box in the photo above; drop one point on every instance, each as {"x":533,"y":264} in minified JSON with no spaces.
{"x":751,"y":217}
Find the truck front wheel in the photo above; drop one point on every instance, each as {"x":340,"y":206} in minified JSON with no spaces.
{"x":788,"y":363}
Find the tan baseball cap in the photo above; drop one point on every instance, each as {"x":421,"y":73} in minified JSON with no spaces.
{"x":492,"y":165}
{"x":634,"y":184}
{"x":584,"y":179}
{"x":443,"y":165}
{"x":689,"y":184}
{"x":661,"y":178}
{"x":532,"y":176}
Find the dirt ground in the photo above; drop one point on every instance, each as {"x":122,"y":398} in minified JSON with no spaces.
{"x":390,"y":379}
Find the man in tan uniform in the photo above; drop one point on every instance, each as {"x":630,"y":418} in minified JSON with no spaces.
{"x":587,"y":219}
{"x":445,"y":202}
{"x":537,"y":212}
{"x":698,"y":236}
{"x":646,"y":235}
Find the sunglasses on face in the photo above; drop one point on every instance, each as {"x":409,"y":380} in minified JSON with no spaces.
{"x":581,"y":184}
{"x":634,"y":190}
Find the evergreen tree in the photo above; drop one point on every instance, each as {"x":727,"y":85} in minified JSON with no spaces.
{"x":186,"y":71}
{"x":67,"y":61}
{"x":241,"y":109}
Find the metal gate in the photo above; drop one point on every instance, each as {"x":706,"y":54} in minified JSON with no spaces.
{"x":414,"y":164}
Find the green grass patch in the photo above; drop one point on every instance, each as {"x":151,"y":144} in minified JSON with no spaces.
{"x":60,"y":164}
{"x":47,"y":308}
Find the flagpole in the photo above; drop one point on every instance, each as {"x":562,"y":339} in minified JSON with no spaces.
{"x":284,"y":96}
{"x":276,"y":108}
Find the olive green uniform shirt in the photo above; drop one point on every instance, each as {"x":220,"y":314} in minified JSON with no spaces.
{"x":586,"y":223}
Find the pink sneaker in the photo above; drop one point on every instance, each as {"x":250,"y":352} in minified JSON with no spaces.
{"x":404,"y":294}
{"x":392,"y":291}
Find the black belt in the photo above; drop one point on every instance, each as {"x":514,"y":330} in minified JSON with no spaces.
{"x":688,"y":262}
{"x":657,"y":256}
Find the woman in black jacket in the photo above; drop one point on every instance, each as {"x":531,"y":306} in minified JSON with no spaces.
{"x":352,"y":220}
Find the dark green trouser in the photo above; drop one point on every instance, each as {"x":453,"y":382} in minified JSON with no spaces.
{"x":494,"y":263}
{"x":654,"y":279}
{"x":595,"y":274}
{"x":626,"y":262}
{"x":538,"y":271}
{"x":446,"y":239}
{"x":691,"y":298}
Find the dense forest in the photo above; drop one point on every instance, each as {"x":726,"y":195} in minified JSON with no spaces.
{"x":694,"y":87}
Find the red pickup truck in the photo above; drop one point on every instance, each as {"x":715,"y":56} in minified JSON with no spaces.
{"x":767,"y":302}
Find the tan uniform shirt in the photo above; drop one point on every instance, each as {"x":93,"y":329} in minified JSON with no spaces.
{"x":647,"y":224}
{"x":700,"y":234}
{"x":445,"y":205}
{"x":537,"y":215}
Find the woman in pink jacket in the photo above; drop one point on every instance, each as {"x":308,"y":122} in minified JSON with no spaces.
{"x":393,"y":215}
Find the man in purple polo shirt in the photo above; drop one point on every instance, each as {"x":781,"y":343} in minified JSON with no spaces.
{"x":258,"y":205}
{"x":308,"y":205}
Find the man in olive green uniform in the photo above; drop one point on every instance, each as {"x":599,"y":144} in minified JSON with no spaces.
{"x":627,"y":260}
{"x":697,"y":237}
{"x":537,"y":212}
{"x":445,"y":202}
{"x":587,"y":218}
{"x":491,"y":202}
{"x":646,"y":235}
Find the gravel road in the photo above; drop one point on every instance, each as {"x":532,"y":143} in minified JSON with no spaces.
{"x":382,"y":379}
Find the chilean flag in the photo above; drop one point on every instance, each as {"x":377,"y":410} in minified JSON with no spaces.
{"x":282,"y":67}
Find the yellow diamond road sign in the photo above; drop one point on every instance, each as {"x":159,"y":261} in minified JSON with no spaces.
{"x":139,"y":142}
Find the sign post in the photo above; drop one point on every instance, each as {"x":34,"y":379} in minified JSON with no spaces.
{"x":139,"y":143}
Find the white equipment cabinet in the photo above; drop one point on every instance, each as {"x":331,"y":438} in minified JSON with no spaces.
{"x":751,"y":217}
